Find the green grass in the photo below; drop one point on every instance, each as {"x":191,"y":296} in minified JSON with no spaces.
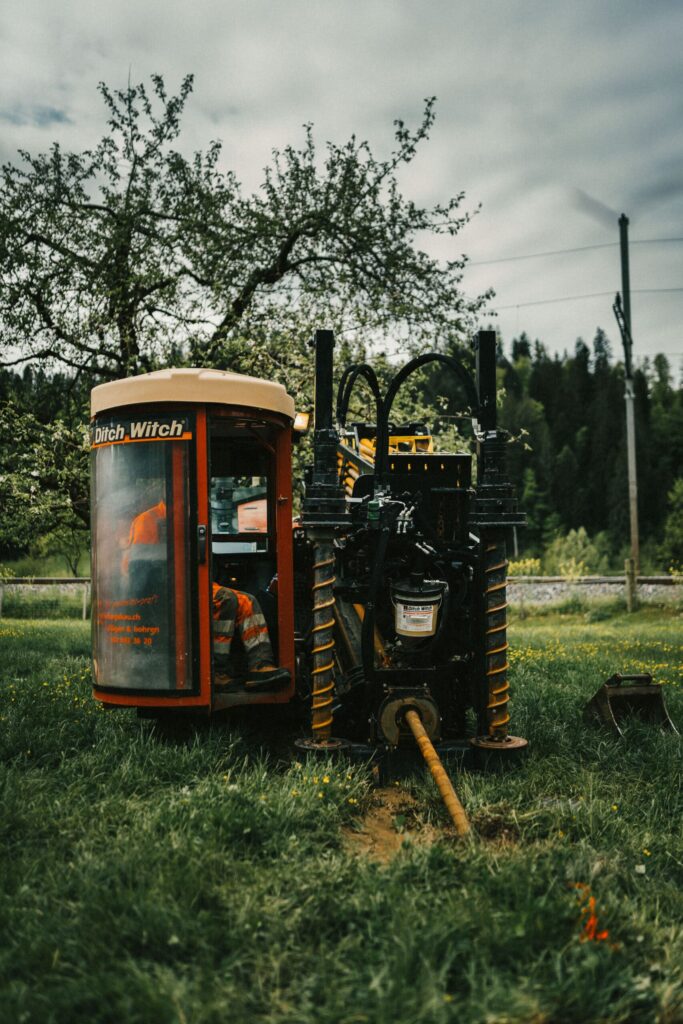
{"x":45,"y":603}
{"x":200,"y":879}
{"x":594,"y":609}
{"x":46,"y":565}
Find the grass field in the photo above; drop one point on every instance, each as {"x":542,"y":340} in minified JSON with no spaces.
{"x":202,"y":880}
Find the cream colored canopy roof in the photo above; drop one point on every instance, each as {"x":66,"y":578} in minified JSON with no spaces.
{"x":208,"y":387}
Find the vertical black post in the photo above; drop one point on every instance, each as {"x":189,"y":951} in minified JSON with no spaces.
{"x":495,"y":513}
{"x":324,"y":502}
{"x":324,"y":512}
{"x":323,"y":344}
{"x":485,"y":364}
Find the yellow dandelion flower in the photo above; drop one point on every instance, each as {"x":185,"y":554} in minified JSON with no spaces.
{"x":326,"y":779}
{"x":320,"y":795}
{"x":647,"y":853}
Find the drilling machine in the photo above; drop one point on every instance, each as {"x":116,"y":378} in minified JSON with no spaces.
{"x":407,"y":563}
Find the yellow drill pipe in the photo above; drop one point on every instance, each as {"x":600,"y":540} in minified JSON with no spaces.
{"x":450,"y":798}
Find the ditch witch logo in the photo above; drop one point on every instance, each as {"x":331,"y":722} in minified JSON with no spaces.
{"x":139,"y":430}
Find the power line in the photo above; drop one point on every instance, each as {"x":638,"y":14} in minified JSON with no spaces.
{"x":537,"y":255}
{"x":590,"y":295}
{"x":564,"y":298}
{"x":649,"y":291}
{"x":652,"y":241}
{"x":561,"y":252}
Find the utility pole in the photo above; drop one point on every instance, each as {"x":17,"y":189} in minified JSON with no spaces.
{"x":623,"y":316}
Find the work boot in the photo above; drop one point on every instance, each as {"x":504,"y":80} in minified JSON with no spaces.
{"x":224,"y":681}
{"x":266,"y":677}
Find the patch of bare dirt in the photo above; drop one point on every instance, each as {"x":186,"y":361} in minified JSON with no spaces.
{"x":391,"y":821}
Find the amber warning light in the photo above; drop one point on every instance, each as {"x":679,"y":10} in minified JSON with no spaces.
{"x":301,"y":422}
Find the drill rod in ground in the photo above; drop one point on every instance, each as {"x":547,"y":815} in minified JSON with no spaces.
{"x":450,"y":798}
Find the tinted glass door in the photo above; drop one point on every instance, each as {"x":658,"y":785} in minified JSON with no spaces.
{"x":143,"y":525}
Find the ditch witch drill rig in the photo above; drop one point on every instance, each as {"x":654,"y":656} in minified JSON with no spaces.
{"x":409,"y":559}
{"x":385,"y":601}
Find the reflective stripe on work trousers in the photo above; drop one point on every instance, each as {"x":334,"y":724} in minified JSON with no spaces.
{"x":235,"y":610}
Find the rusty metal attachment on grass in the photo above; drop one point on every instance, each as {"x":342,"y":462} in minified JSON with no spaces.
{"x":640,"y":696}
{"x":450,"y":797}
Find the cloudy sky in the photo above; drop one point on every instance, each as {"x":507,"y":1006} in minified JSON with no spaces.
{"x":555,"y":117}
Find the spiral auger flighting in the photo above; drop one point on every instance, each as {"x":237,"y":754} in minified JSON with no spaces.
{"x":495,"y":593}
{"x":495,"y":662}
{"x":323,"y":643}
{"x":324,"y":516}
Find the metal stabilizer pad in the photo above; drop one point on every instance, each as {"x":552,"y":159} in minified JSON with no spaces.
{"x":323,"y":748}
{"x":640,"y":696}
{"x":503,"y":746}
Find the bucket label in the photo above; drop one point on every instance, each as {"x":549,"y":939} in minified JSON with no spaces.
{"x":415,"y":618}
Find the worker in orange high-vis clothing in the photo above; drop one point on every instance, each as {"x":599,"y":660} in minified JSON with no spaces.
{"x":149,"y":527}
{"x":235,"y":611}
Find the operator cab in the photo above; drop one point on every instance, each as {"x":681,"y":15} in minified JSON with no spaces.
{"x":191,"y":488}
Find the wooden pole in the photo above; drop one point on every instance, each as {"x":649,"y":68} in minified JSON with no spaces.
{"x":627,"y":339}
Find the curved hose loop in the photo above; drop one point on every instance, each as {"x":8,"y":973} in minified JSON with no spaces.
{"x":465,"y":378}
{"x":346,"y":385}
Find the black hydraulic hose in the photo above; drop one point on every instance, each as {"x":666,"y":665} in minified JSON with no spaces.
{"x":346,"y":385}
{"x":382,"y":447}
